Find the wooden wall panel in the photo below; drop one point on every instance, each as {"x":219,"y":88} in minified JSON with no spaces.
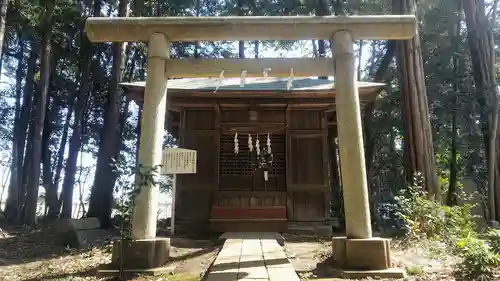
{"x":206,"y":170}
{"x":306,"y":119}
{"x":234,"y":116}
{"x":193,"y":205}
{"x":194,"y":191}
{"x":250,"y":199}
{"x":243,"y":115}
{"x":308,"y":205}
{"x":308,"y":165}
{"x":196,"y":119}
{"x":308,"y":188}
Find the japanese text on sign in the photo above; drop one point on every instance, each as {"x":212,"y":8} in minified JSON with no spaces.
{"x":179,"y":161}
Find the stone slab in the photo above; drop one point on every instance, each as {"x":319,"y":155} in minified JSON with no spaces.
{"x":338,"y":251}
{"x":83,"y":239}
{"x":86,"y":238}
{"x":391,"y":273}
{"x":80,"y":233}
{"x":217,"y":276}
{"x":259,"y":272}
{"x":140,"y":254}
{"x":104,"y":272}
{"x":310,"y":229}
{"x":282,"y":274}
{"x":367,"y":254}
{"x":251,"y":259}
{"x":254,"y":235}
{"x":78,"y":224}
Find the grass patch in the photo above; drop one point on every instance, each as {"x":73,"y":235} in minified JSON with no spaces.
{"x":414,"y":270}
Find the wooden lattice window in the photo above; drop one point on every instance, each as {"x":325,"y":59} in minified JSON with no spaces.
{"x":241,"y":164}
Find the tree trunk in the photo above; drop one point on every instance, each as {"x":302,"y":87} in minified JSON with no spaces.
{"x":122,"y":122}
{"x":51,"y":200}
{"x":256,"y":43}
{"x":457,"y":80}
{"x":81,"y":205}
{"x":13,"y":187}
{"x":241,"y":44}
{"x":101,"y":198}
{"x":27,"y":164}
{"x":322,"y":9}
{"x":75,"y":141}
{"x":418,"y":146}
{"x":197,"y":44}
{"x":45,"y":54}
{"x":51,"y":196}
{"x":480,"y":39}
{"x":3,"y":22}
{"x":19,"y":174}
{"x":60,"y":152}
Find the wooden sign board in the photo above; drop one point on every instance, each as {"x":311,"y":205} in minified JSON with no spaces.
{"x":178,"y":161}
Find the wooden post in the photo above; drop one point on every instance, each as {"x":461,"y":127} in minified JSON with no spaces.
{"x":151,"y":141}
{"x":172,"y":213}
{"x":350,"y":137}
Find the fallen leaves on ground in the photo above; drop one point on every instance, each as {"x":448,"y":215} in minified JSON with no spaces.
{"x":32,"y":254}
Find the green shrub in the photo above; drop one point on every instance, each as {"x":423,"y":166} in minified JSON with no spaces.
{"x":478,"y":261}
{"x":493,"y":238}
{"x":426,"y":218}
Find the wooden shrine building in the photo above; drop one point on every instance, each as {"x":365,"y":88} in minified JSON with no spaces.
{"x":230,"y":192}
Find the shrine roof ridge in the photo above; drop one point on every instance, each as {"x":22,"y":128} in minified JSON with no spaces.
{"x":252,"y":84}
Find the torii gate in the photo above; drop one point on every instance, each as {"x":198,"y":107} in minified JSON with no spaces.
{"x":358,"y":250}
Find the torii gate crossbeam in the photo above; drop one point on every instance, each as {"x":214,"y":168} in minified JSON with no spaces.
{"x":135,"y":29}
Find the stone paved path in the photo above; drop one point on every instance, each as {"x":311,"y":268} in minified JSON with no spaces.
{"x":256,"y":259}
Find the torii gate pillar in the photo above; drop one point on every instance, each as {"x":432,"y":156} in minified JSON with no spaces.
{"x":358,"y":250}
{"x":145,"y":250}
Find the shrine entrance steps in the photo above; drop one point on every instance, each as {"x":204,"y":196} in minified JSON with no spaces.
{"x":251,"y":256}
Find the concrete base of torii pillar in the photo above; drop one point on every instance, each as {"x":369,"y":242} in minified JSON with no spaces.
{"x":145,"y":252}
{"x":359,"y":253}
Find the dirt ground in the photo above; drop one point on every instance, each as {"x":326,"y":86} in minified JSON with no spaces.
{"x":305,"y":253}
{"x":32,"y":255}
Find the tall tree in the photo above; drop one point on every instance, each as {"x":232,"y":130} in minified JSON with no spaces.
{"x":457,"y":87}
{"x":482,"y":50}
{"x":75,"y":142}
{"x":15,"y":198}
{"x":418,"y":145}
{"x":102,"y":192}
{"x":40,"y":108}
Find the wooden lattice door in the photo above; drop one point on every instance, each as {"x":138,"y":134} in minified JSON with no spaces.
{"x":238,"y":172}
